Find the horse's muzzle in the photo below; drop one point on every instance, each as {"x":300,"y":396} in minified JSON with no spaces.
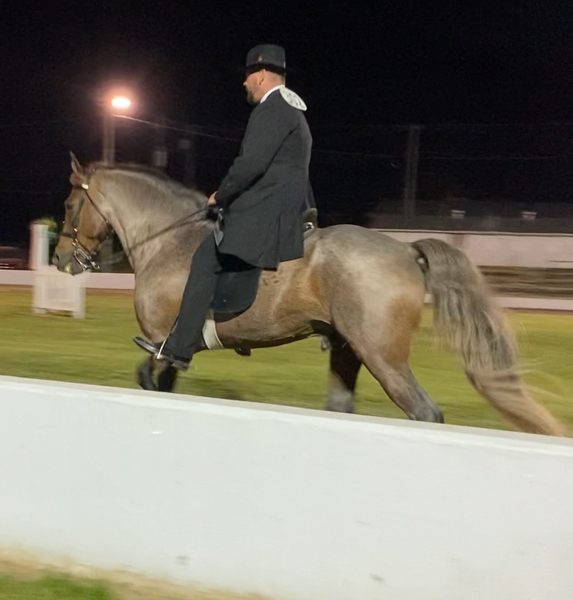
{"x":66,"y":263}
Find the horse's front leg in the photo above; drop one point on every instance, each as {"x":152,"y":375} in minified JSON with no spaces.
{"x":145,"y":374}
{"x":167,"y":378}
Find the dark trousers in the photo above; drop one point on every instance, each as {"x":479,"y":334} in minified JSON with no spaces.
{"x":208,"y":263}
{"x":197,"y":298}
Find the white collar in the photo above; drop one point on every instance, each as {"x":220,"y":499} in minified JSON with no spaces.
{"x":282,"y":85}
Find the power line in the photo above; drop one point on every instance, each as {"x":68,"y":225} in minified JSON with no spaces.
{"x":193,"y":130}
{"x":366,"y":156}
{"x":440,"y":126}
{"x":355,"y":154}
{"x":497,"y":157}
{"x":234,"y":131}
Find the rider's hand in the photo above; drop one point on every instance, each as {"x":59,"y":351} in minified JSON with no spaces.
{"x":212,"y":201}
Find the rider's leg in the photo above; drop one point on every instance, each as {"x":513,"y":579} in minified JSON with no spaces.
{"x":196,"y":301}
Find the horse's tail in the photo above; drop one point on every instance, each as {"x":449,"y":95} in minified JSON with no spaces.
{"x":468,"y":322}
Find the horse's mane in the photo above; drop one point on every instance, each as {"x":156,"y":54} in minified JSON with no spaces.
{"x":176,"y":195}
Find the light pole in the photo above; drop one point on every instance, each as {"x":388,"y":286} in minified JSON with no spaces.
{"x":113,"y":104}
{"x":119,"y":104}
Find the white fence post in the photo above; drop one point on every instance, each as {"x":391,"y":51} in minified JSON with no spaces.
{"x":39,"y":246}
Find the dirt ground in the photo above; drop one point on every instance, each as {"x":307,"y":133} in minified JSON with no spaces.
{"x":124,"y":585}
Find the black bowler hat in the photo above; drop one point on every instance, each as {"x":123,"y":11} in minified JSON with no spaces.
{"x":266,"y":56}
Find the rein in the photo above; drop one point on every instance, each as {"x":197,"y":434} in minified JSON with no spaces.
{"x":118,"y":256}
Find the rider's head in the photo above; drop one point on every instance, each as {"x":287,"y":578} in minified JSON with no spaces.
{"x":265,"y":69}
{"x":258,"y":83}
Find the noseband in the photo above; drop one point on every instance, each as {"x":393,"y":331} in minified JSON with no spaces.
{"x":82,"y":255}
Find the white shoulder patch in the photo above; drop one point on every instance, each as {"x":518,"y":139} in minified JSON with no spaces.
{"x":292,"y":98}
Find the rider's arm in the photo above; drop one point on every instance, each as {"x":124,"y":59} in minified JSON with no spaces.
{"x":265,"y":135}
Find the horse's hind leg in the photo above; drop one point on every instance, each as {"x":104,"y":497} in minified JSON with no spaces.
{"x":382,"y":341}
{"x":344,"y":367}
{"x":145,"y":374}
{"x":404,"y":390}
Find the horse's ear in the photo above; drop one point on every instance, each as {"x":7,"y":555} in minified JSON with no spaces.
{"x":76,"y":167}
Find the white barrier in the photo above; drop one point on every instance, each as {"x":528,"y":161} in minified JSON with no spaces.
{"x":292,"y":504}
{"x":94,"y":281}
{"x":56,"y":291}
{"x":39,"y":246}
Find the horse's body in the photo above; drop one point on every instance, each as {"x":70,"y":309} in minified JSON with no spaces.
{"x":358,"y":287}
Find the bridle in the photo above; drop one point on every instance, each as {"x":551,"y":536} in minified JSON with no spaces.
{"x":82,"y":255}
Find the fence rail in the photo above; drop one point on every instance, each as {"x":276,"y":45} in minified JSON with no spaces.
{"x":530,"y":282}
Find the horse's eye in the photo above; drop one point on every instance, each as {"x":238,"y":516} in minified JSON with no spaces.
{"x":68,"y":206}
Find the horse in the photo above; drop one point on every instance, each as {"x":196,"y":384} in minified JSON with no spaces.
{"x":359,"y":289}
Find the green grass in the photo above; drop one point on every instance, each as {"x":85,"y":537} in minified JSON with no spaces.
{"x":51,"y":588}
{"x":99,"y":350}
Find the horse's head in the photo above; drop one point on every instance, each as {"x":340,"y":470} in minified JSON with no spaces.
{"x":85,"y":226}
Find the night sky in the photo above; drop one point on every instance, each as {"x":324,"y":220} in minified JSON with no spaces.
{"x":482,"y":78}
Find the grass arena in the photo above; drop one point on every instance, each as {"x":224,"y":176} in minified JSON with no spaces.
{"x":99,"y":350}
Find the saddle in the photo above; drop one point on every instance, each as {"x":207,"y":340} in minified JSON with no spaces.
{"x":237,"y":289}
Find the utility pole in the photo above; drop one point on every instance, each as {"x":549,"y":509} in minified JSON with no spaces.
{"x":108,"y":158}
{"x":120,"y":104}
{"x":411,"y":176}
{"x":159,"y":157}
{"x":187,"y":146}
{"x":108,"y":146}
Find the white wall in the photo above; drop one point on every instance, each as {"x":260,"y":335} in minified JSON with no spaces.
{"x":290,"y":503}
{"x":514,"y":251}
{"x":503,"y":249}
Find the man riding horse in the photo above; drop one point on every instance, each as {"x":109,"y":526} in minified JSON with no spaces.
{"x":259,"y":204}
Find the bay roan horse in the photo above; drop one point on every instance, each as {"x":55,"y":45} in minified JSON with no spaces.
{"x":357,"y":287}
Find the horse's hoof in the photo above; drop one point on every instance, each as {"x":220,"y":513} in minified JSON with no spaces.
{"x":145,"y":378}
{"x":243,"y":351}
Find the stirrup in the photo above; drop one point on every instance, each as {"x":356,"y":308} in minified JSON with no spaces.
{"x":158,"y":355}
{"x":146,"y":345}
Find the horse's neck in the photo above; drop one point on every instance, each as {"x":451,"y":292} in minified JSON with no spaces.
{"x":143,"y":229}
